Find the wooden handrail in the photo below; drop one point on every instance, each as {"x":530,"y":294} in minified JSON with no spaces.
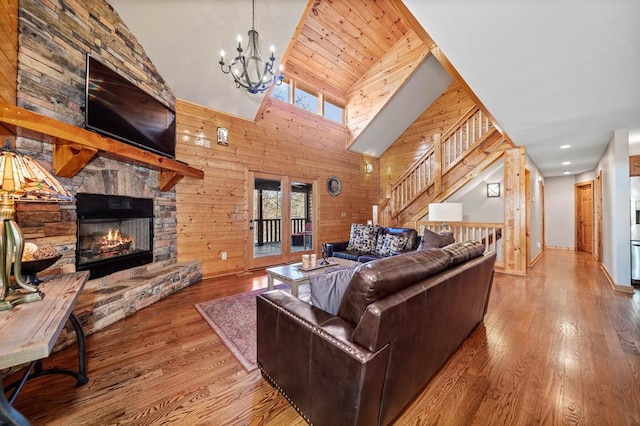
{"x":75,"y":147}
{"x":469,"y":131}
{"x":463,"y":118}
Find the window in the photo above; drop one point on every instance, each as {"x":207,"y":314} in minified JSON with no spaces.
{"x":306,"y":100}
{"x":281,"y":92}
{"x":333,"y":112}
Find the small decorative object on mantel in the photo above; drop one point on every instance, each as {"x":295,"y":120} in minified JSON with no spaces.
{"x":334,"y":186}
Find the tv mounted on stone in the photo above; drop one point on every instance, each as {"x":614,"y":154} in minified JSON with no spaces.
{"x":116,"y":108}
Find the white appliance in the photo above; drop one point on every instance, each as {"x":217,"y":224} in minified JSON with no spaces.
{"x":635,"y":229}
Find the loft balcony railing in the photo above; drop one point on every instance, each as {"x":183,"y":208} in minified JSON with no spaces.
{"x":490,"y":234}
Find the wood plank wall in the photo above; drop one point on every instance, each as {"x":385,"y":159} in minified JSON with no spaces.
{"x":212,"y":213}
{"x":367,"y":97}
{"x":418,"y":138}
{"x":8,"y":56}
{"x":515,"y":232}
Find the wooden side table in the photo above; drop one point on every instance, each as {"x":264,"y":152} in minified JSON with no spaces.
{"x":29,"y":331}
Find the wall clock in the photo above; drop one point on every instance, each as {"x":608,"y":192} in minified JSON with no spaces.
{"x":334,"y":186}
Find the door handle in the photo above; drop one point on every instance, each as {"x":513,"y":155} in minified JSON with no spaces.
{"x":251,"y":228}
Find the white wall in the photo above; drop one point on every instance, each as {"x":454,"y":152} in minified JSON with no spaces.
{"x":559,"y":212}
{"x":616,"y":235}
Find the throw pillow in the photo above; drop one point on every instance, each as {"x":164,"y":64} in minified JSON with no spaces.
{"x":380,"y":242}
{"x":392,"y":244}
{"x":327,"y":289}
{"x":362,"y":237}
{"x":463,"y":251}
{"x":432,"y":240}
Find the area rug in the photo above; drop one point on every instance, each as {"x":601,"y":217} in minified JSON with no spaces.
{"x":233,"y":318}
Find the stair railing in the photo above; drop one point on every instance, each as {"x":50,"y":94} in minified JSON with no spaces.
{"x":472,"y":127}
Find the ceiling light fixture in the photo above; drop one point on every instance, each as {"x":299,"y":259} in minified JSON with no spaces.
{"x":566,"y":163}
{"x":566,"y":172}
{"x":251,"y":71}
{"x":565,"y":146}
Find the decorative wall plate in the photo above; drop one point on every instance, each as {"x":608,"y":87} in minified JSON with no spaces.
{"x":334,"y":186}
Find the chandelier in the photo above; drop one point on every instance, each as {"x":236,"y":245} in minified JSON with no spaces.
{"x":250,"y":70}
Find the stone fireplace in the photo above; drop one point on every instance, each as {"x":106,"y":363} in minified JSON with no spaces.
{"x":114,"y":233}
{"x":51,"y":82}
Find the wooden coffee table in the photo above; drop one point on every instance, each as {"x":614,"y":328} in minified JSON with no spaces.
{"x":294,"y":277}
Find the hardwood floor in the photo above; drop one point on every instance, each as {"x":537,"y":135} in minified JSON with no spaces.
{"x":556,"y":347}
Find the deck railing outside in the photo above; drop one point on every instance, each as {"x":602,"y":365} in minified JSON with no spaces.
{"x":269,"y":230}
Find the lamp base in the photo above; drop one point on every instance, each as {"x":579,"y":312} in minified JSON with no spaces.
{"x":5,"y":305}
{"x":18,"y":298}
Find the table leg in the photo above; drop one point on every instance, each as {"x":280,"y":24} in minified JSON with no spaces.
{"x":8,"y":414}
{"x":269,"y":281}
{"x":294,"y":289}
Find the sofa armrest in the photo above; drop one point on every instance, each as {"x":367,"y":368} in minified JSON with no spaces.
{"x":339,"y":246}
{"x":308,"y":354}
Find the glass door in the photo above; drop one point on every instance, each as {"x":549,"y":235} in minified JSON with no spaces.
{"x":282,"y":219}
{"x":266,"y":220}
{"x":302,"y":218}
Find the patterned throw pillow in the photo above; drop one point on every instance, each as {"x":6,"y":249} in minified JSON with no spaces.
{"x":379,"y":243}
{"x":392,"y":244}
{"x":363,"y":237}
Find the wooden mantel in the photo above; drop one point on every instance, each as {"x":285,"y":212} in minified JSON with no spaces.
{"x":75,"y":147}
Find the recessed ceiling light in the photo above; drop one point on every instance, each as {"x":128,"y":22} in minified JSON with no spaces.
{"x":565,"y":146}
{"x":566,"y":163}
{"x":566,"y":172}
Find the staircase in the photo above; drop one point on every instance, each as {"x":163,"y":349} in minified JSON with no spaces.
{"x":471,"y":145}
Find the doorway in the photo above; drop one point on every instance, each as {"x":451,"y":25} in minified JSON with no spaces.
{"x":584,"y":216}
{"x":282,"y":218}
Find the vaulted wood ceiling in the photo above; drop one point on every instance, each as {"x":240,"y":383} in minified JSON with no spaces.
{"x":338,"y":41}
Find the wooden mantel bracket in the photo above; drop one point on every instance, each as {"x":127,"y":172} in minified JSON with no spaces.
{"x":167,"y":179}
{"x":74,"y":147}
{"x":69,"y":159}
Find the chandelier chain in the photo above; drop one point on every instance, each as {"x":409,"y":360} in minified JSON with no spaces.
{"x":253,"y":14}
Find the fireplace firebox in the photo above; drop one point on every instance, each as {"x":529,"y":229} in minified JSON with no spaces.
{"x":114,"y":233}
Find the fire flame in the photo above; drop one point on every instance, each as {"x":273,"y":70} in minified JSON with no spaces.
{"x":114,"y":238}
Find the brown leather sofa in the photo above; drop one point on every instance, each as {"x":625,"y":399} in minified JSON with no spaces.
{"x":400,"y":319}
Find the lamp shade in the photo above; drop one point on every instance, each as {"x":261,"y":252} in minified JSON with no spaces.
{"x":25,"y":179}
{"x":445,"y":212}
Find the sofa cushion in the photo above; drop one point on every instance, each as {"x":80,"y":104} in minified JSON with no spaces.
{"x":362,"y":237}
{"x":369,"y":257}
{"x":462,"y":251}
{"x":392,"y":244}
{"x":432,"y":240}
{"x":327,"y":289}
{"x":347,"y":254}
{"x":380,"y":241}
{"x":375,"y":280}
{"x":409,"y":233}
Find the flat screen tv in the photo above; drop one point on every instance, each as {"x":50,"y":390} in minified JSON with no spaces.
{"x":117,"y":108}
